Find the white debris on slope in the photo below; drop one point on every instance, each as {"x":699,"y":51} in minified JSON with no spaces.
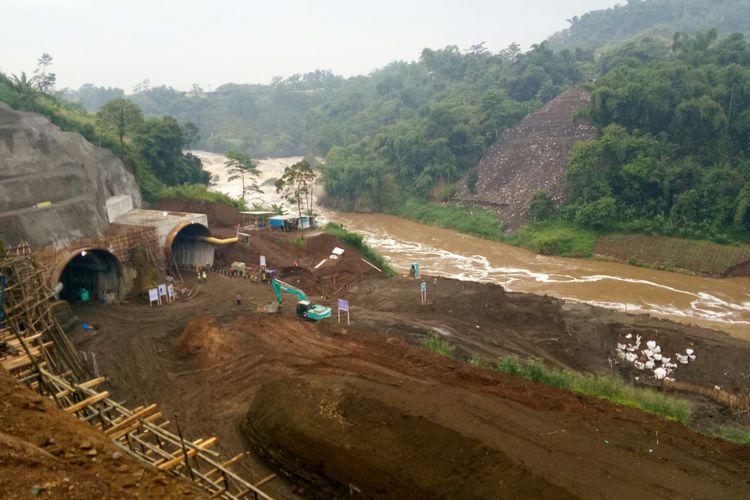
{"x":651,"y":358}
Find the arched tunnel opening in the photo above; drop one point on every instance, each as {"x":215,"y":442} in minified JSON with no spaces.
{"x":189,"y":246}
{"x":91,"y":274}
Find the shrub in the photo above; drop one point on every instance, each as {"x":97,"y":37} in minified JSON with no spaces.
{"x":603,"y":387}
{"x":437,"y":345}
{"x":509,"y":364}
{"x":198,"y":192}
{"x":471,"y":181}
{"x":733,"y":433}
{"x":475,"y":360}
{"x":541,"y":206}
{"x":555,"y":238}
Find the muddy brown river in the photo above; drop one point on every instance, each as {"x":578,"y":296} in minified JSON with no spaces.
{"x":722,"y":304}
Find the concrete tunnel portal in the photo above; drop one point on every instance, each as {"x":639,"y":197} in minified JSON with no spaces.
{"x":189,"y":245}
{"x":89,"y":274}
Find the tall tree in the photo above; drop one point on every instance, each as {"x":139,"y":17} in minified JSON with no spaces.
{"x":120,"y":117}
{"x":241,"y":166}
{"x":45,"y":80}
{"x":298,"y":182}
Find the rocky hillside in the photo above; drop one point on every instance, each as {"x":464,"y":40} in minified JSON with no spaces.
{"x":54,"y":184}
{"x":529,"y":157}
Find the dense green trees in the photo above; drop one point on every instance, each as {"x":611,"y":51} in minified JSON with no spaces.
{"x":160,"y":141}
{"x":636,"y":19}
{"x":92,"y":97}
{"x":449,"y":107}
{"x":541,"y":206}
{"x":151,"y":147}
{"x":119,"y":117}
{"x":673,"y":153}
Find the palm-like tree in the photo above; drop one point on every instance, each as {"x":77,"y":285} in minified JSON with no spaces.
{"x":27,"y":89}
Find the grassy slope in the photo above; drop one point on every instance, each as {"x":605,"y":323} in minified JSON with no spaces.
{"x":672,"y":253}
{"x":607,"y":387}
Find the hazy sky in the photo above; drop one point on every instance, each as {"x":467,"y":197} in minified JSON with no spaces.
{"x":177,"y":43}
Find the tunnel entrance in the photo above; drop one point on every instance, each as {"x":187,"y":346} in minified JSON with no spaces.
{"x":91,"y":274}
{"x":188,"y":247}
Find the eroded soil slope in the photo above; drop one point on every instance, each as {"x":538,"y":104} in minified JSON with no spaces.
{"x":46,"y":453}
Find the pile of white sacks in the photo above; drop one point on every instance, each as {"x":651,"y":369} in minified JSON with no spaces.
{"x":651,"y":358}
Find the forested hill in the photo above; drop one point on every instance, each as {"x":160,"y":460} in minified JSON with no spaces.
{"x":602,"y":29}
{"x":473,"y":89}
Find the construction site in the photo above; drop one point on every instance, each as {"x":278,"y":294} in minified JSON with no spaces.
{"x":335,"y":408}
{"x":181,"y":351}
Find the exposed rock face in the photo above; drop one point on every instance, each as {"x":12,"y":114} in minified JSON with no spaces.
{"x":40,"y":163}
{"x":531,"y":156}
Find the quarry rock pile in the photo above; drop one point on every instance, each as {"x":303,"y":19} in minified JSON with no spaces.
{"x":531,"y":156}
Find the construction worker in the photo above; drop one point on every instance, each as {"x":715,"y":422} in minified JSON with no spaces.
{"x":205,"y":276}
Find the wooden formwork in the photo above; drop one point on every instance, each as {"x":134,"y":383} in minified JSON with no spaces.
{"x":29,"y":317}
{"x":35,"y":349}
{"x":144,"y":434}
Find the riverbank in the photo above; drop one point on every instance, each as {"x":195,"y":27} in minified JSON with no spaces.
{"x":545,"y":238}
{"x":718,"y":303}
{"x":565,"y":239}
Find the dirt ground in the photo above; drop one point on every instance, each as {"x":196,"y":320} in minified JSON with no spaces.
{"x":46,"y":453}
{"x":341,"y":410}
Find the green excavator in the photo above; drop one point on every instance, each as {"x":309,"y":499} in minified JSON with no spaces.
{"x":304,"y":309}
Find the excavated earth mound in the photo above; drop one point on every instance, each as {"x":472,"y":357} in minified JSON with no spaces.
{"x":328,"y":403}
{"x":46,"y":453}
{"x":373,"y":415}
{"x":39,"y":163}
{"x":529,"y":157}
{"x":332,"y":277}
{"x":331,"y":433}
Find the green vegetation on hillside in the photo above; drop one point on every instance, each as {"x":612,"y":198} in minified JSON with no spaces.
{"x":611,"y":388}
{"x":410,"y":127}
{"x":151,"y":147}
{"x":465,"y":101}
{"x":672,"y":253}
{"x":673,"y":155}
{"x":636,"y":19}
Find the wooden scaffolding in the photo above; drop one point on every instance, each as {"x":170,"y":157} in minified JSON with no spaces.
{"x":35,"y":349}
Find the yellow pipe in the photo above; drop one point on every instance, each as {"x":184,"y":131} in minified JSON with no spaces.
{"x":217,"y":241}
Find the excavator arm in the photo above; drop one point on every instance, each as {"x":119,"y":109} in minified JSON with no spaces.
{"x":279,"y":286}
